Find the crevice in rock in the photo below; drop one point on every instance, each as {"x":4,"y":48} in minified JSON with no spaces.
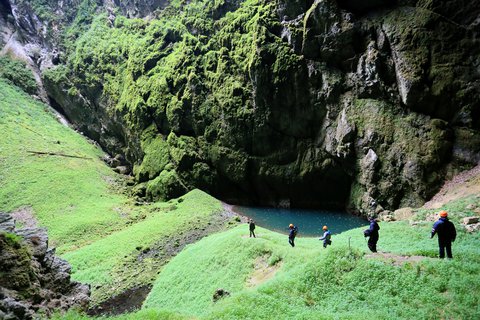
{"x":5,"y":9}
{"x":364,"y":7}
{"x":57,"y":107}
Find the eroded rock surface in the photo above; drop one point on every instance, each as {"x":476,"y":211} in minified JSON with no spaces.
{"x":34,"y":282}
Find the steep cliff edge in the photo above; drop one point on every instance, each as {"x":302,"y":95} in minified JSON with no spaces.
{"x":301,"y":103}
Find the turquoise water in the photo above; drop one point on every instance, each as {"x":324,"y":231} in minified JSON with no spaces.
{"x":309,"y":222}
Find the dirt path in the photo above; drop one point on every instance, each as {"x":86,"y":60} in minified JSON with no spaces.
{"x":262,"y":271}
{"x":24,"y":217}
{"x":394,"y":259}
{"x":464,"y":184}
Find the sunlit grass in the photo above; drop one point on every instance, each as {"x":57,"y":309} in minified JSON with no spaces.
{"x":94,"y":226}
{"x":72,"y":197}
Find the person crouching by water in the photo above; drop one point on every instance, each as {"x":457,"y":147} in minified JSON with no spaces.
{"x":292,"y":234}
{"x":326,"y":237}
{"x":251,"y":226}
{"x":372,"y":233}
{"x":446,"y":234}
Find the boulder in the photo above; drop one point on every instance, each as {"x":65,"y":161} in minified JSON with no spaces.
{"x":33,"y":279}
{"x":37,"y":239}
{"x":6,"y":222}
{"x":470,"y":220}
{"x":472,"y":227}
{"x":219,"y":294}
{"x":122,"y":170}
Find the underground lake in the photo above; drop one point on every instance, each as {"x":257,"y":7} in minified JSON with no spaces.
{"x":309,"y":222}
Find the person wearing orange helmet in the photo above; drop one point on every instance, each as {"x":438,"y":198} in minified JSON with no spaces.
{"x":446,"y":232}
{"x":326,"y":237}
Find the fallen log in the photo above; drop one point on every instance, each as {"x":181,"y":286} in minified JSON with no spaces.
{"x":58,"y":154}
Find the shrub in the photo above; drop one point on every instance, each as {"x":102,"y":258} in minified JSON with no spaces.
{"x":17,"y":73}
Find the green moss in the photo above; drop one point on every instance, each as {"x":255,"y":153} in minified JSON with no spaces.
{"x":17,"y":73}
{"x":11,"y":239}
{"x":166,"y":186}
{"x":156,"y":156}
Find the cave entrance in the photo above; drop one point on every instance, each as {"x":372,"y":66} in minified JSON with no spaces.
{"x":5,"y":9}
{"x":309,"y":222}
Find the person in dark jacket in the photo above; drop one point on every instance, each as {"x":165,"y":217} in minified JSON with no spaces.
{"x":326,"y":237}
{"x":446,"y":234}
{"x":251,"y":226}
{"x":292,"y":234}
{"x":372,"y":234}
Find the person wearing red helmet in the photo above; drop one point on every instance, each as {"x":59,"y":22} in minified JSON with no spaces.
{"x":446,"y":232}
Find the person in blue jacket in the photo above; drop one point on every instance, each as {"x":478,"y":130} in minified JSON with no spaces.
{"x":372,"y":234}
{"x":446,"y":234}
{"x":326,"y":237}
{"x":292,"y":234}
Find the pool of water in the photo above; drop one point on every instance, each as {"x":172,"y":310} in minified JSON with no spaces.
{"x":309,"y":222}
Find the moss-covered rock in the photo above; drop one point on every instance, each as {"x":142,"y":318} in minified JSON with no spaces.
{"x":166,"y":186}
{"x":279,"y":101}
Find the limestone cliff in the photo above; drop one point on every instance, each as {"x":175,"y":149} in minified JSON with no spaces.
{"x":303,"y":103}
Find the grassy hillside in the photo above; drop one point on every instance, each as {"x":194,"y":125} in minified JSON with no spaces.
{"x":313,"y":283}
{"x":74,"y":197}
{"x":111,"y":243}
{"x":267,"y":279}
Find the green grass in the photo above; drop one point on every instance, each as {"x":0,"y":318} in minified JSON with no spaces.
{"x":116,"y":262}
{"x":93,"y":224}
{"x":314,"y":283}
{"x":74,"y":198}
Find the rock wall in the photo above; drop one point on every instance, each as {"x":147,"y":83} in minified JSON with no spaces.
{"x":303,"y":103}
{"x":34,"y":283}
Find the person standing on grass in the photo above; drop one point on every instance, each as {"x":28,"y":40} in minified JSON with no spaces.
{"x":326,"y":237}
{"x":372,"y":234}
{"x":292,"y":234}
{"x":446,"y":234}
{"x":251,"y":226}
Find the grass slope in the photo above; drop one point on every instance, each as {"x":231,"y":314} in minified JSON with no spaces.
{"x":124,"y":259}
{"x":314,"y":283}
{"x":72,"y":197}
{"x":96,"y":227}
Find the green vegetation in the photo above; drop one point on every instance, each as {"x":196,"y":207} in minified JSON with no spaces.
{"x":317,"y":283}
{"x":187,"y":73}
{"x":17,"y":73}
{"x":309,"y":282}
{"x":110,"y":242}
{"x":73,"y":197}
{"x":132,"y":256}
{"x":11,"y":239}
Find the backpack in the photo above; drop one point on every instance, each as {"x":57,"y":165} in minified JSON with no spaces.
{"x":295,"y":231}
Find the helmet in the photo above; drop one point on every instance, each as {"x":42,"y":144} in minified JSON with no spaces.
{"x":291,"y":225}
{"x":325,"y":228}
{"x":443,"y":214}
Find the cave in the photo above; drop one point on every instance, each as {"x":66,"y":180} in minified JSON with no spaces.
{"x":5,"y":9}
